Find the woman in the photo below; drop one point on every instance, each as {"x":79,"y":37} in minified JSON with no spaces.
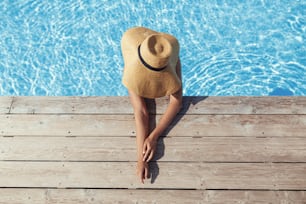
{"x":151,"y":70}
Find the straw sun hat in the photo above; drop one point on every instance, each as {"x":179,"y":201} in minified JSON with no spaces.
{"x":150,"y":60}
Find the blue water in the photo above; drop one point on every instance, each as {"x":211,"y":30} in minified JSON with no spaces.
{"x":228,"y":47}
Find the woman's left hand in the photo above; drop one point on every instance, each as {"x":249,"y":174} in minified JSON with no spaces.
{"x":149,"y":147}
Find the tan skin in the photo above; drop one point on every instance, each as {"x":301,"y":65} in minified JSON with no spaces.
{"x":146,"y":141}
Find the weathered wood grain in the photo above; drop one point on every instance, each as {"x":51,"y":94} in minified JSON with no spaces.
{"x":95,"y":196}
{"x":274,"y":176}
{"x":218,"y":150}
{"x":191,"y":105}
{"x":71,"y":105}
{"x":123,"y":125}
{"x":179,"y":149}
{"x":234,"y":197}
{"x":5,"y":104}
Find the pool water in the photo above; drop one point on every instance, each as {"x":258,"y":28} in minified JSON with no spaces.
{"x":252,"y":48}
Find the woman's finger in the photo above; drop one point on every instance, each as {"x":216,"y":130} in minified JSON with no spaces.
{"x":146,"y":155}
{"x":145,"y":148}
{"x":150,"y":156}
{"x":146,"y":152}
{"x":146,"y":173}
{"x":141,"y":178}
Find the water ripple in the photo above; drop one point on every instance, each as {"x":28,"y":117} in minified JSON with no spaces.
{"x":227,"y":48}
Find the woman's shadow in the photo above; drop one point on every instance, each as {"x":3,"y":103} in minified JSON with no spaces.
{"x":160,"y":149}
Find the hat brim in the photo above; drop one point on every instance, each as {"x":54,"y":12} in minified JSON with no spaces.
{"x":141,"y":80}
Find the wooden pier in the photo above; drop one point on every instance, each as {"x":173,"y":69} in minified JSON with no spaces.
{"x":218,"y":150}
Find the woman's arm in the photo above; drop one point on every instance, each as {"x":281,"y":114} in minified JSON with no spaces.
{"x":146,"y":144}
{"x":173,"y":108}
{"x":175,"y":104}
{"x":142,"y":130}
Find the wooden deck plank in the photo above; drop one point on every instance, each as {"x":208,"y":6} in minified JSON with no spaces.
{"x":273,"y":176}
{"x":80,"y":196}
{"x":181,"y":149}
{"x":234,"y":197}
{"x":71,"y":105}
{"x":191,"y":105}
{"x":218,"y":150}
{"x":5,"y":104}
{"x":123,"y":125}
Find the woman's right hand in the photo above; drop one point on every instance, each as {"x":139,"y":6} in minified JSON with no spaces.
{"x":142,"y":170}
